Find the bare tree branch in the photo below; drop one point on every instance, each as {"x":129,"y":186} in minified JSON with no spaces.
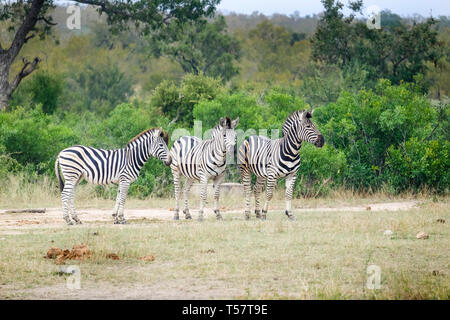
{"x":31,"y":36}
{"x":27,"y":25}
{"x":27,"y":68}
{"x":47,"y":21}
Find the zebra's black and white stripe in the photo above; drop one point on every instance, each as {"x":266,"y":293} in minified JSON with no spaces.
{"x":200,"y":160}
{"x":103,"y":167}
{"x":270,"y":160}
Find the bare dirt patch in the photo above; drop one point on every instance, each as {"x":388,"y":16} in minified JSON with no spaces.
{"x":53,"y":216}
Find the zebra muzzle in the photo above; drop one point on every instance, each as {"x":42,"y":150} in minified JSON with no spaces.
{"x":320,"y":141}
{"x":169,"y":161}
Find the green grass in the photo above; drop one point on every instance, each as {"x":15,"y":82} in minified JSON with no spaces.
{"x":319,"y":256}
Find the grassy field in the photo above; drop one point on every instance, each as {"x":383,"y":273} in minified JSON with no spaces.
{"x":321,"y":255}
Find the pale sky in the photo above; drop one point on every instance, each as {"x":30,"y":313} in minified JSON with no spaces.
{"x":401,"y":7}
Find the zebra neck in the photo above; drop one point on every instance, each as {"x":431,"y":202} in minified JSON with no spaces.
{"x":291,"y":144}
{"x":219,"y":149}
{"x":137,"y":155}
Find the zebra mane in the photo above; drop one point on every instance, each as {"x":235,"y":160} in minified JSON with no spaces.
{"x":228,"y":123}
{"x":163,"y":134}
{"x":294,"y":116}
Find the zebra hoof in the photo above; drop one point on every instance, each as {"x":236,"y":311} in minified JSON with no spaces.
{"x":290,"y":216}
{"x":78,"y":222}
{"x":264,"y":215}
{"x":258,"y":214}
{"x":218,"y":215}
{"x":247,"y":215}
{"x":176,"y":217}
{"x":69,"y":223}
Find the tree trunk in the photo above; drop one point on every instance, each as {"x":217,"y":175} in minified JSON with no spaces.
{"x":4,"y":83}
{"x":7,"y":56}
{"x":4,"y":102}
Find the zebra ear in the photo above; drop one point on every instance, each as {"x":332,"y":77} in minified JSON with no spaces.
{"x":157,"y":133}
{"x":223,"y":122}
{"x":306,"y":115}
{"x":234,"y":123}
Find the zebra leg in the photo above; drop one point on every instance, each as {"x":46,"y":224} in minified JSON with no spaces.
{"x":116,"y":206}
{"x":176,"y":183}
{"x":123,"y":187}
{"x":203,"y":186}
{"x":187,"y":186}
{"x":217,"y":181}
{"x":290,"y":182}
{"x":258,"y":188}
{"x":72,"y":205}
{"x":67,"y":195}
{"x":269,"y":194}
{"x":247,"y":182}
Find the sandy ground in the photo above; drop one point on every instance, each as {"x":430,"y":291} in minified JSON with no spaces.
{"x":53,"y":216}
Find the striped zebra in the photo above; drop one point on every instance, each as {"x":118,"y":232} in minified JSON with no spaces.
{"x":270,"y":160}
{"x":200,"y":160}
{"x":103,"y":167}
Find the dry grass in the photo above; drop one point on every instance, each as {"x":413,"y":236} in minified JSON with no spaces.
{"x":322,"y":255}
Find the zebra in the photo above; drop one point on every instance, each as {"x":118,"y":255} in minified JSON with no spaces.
{"x":199,"y":160}
{"x":104,"y":167}
{"x":270,"y":160}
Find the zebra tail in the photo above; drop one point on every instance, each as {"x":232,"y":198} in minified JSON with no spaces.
{"x":58,"y":175}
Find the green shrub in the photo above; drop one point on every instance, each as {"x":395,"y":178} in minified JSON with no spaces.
{"x":33,"y":138}
{"x":366,"y":124}
{"x":179,"y":101}
{"x":43,"y":88}
{"x":320,"y":169}
{"x":418,"y":164}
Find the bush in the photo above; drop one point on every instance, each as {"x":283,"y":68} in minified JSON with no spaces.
{"x":179,"y":101}
{"x":366,"y":124}
{"x":419,"y":164}
{"x":320,"y":170}
{"x":33,"y":138}
{"x":42,"y":88}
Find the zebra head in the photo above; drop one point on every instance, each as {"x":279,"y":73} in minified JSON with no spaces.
{"x":158,"y":146}
{"x":300,"y":121}
{"x":308,"y":131}
{"x":226,"y":130}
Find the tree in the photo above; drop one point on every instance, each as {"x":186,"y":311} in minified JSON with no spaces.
{"x":99,"y":87}
{"x":31,"y":18}
{"x":203,"y":48}
{"x":177,"y":102}
{"x":396,"y":51}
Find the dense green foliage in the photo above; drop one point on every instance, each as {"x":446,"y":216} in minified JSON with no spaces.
{"x":396,"y":52}
{"x":383,"y":130}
